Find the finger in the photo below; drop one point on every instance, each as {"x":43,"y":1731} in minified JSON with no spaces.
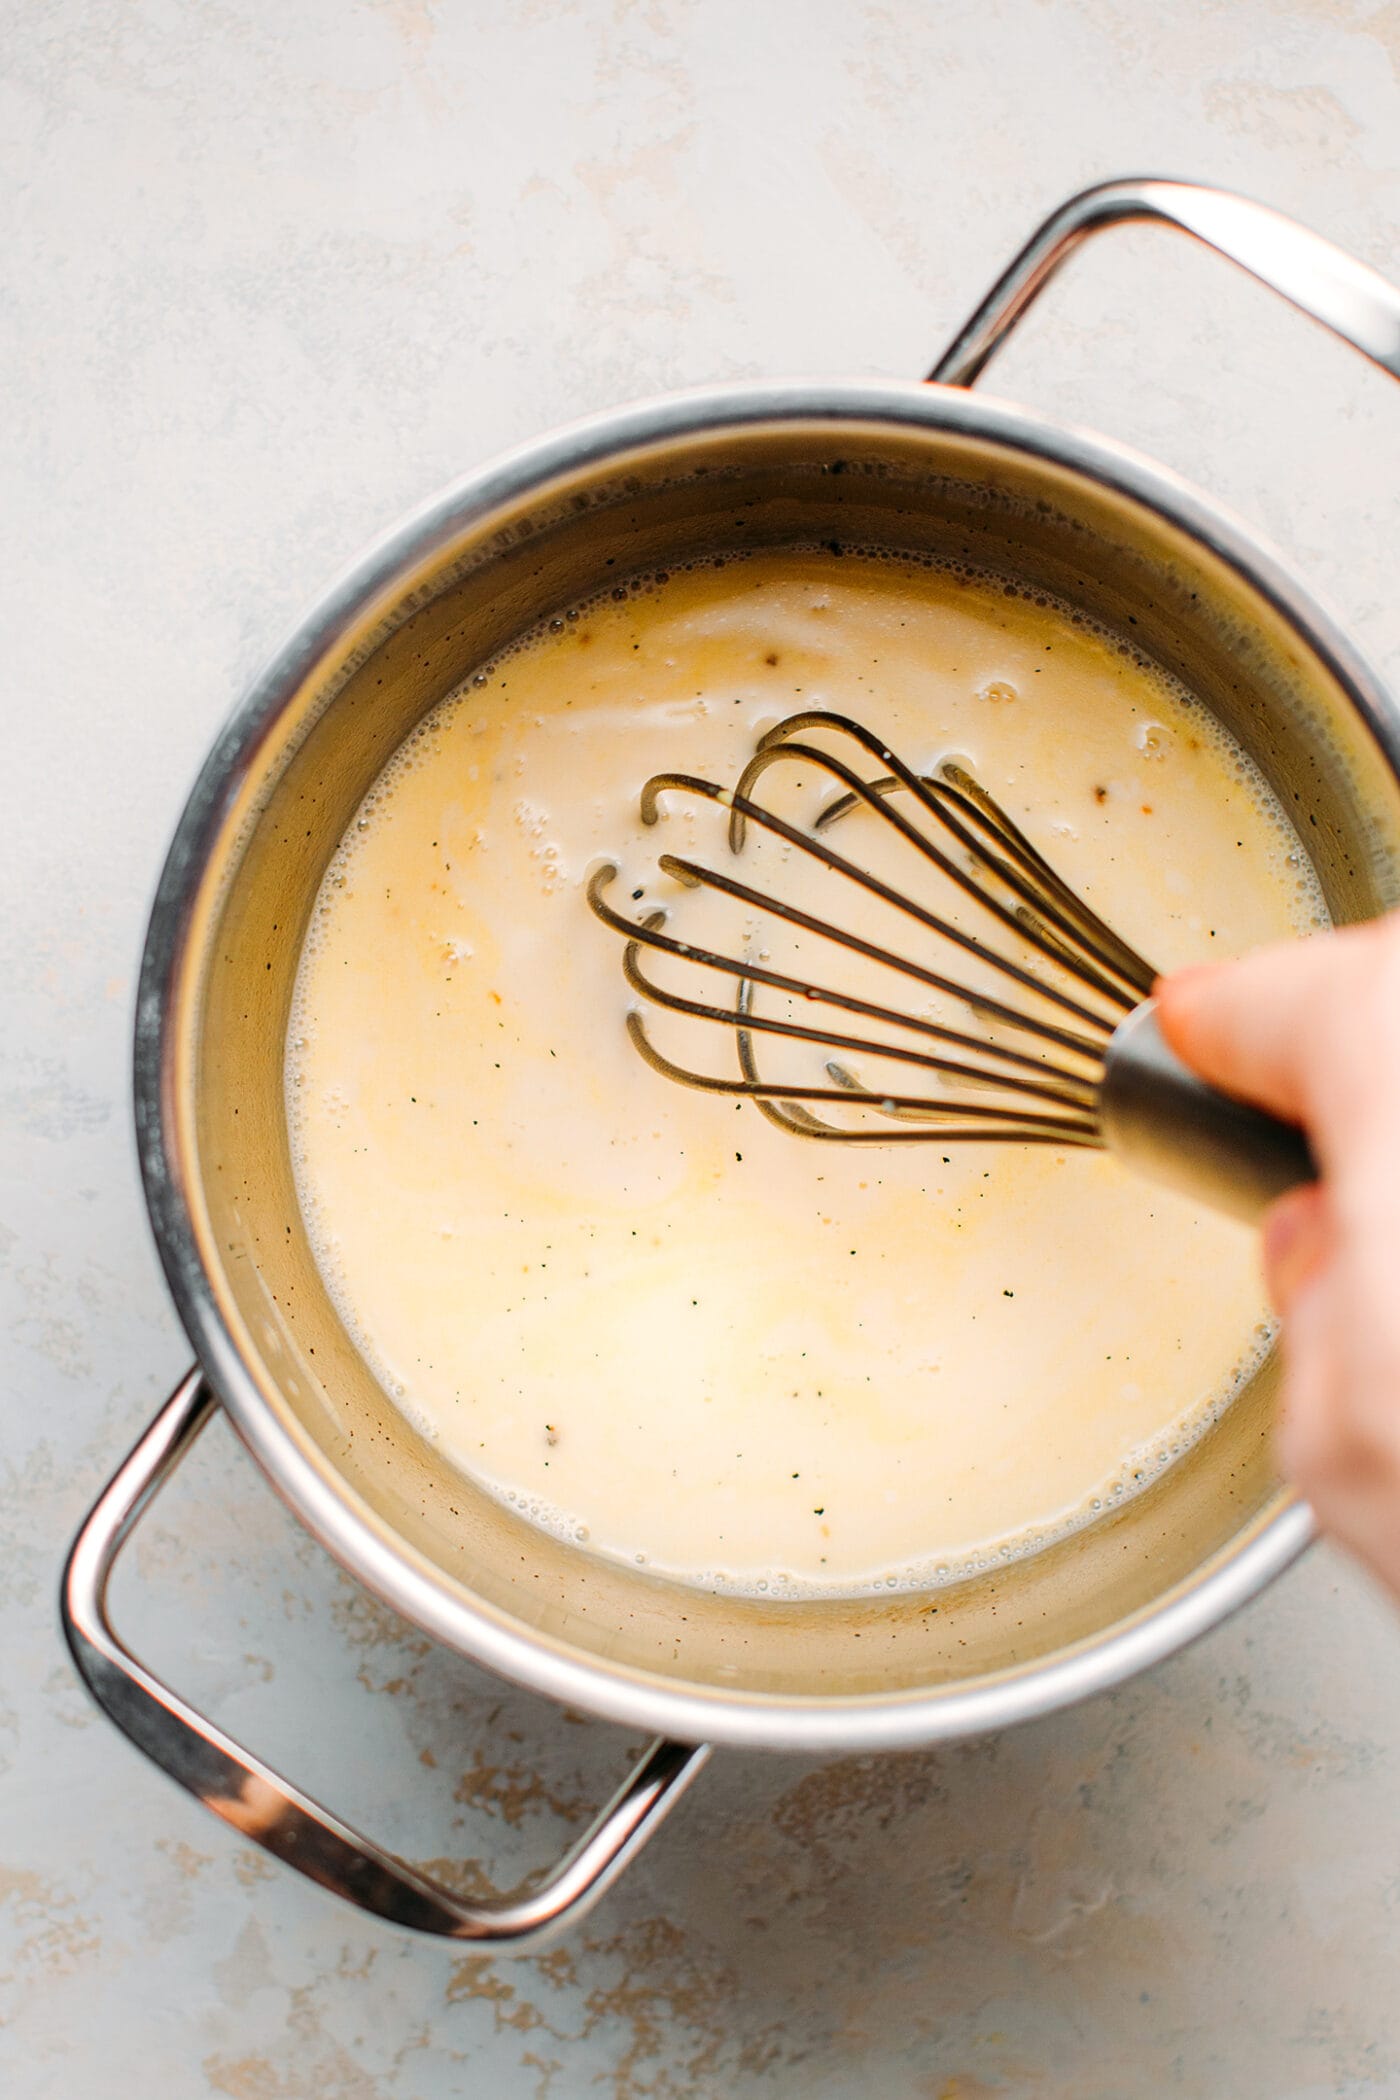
{"x":1337,"y":1438}
{"x":1307,"y":1438}
{"x":1309,"y":1030}
{"x":1299,"y":1238}
{"x":1247,"y":1026}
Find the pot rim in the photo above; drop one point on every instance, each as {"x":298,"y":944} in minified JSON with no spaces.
{"x":396,"y":1572}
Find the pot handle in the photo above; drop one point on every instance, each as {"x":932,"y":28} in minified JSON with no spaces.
{"x":1355,"y":302}
{"x":273,"y":1814}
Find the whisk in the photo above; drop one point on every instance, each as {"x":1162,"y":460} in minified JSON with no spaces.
{"x":1062,"y":1045}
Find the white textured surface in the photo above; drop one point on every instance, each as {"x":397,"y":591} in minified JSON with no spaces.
{"x":272,"y":272}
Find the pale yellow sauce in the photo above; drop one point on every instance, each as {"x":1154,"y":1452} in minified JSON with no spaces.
{"x":643,"y":1314}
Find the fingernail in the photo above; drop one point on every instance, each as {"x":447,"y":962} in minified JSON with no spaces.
{"x":1188,"y":975}
{"x":1176,"y":993}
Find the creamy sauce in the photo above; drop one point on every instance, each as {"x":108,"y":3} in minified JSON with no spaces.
{"x":642,"y":1314}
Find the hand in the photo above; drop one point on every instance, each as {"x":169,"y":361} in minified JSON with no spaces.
{"x":1311,"y":1030}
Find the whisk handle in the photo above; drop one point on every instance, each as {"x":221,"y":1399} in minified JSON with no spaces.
{"x":1168,"y":1125}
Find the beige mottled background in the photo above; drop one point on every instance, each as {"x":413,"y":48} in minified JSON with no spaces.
{"x":272,"y":270}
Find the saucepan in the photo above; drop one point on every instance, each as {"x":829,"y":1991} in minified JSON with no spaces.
{"x":909,"y":465}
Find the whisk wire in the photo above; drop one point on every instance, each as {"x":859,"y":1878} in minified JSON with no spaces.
{"x":697,"y":877}
{"x":1016,"y":918}
{"x":783,"y":1106}
{"x":647,"y":933}
{"x":1037,"y":1098}
{"x":1105,"y":942}
{"x":744,"y":811}
{"x":1045,"y":1082}
{"x":1041,"y":897}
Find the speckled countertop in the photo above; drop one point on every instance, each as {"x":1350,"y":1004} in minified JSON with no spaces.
{"x":273,"y":271}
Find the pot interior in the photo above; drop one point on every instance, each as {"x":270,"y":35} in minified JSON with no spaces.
{"x":481,"y":570}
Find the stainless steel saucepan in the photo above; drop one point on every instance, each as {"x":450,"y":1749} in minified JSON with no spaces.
{"x":860,"y":462}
